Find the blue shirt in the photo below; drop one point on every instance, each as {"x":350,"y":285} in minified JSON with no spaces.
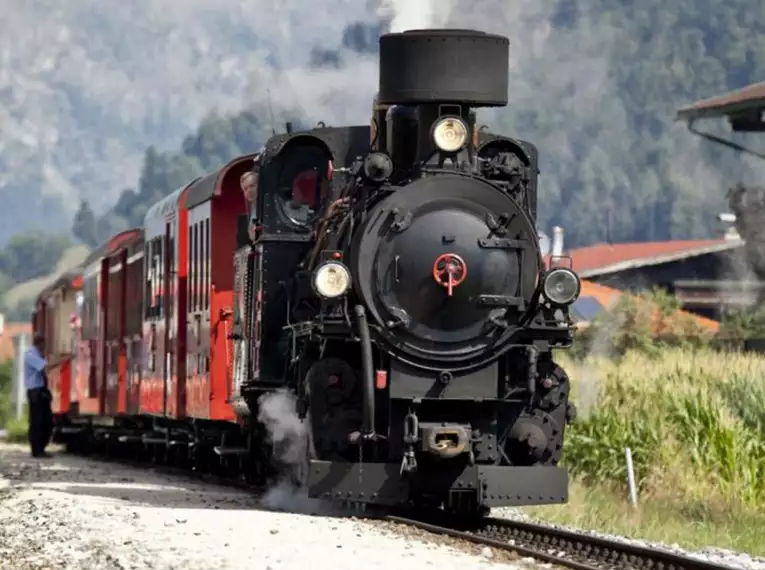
{"x":34,"y":366}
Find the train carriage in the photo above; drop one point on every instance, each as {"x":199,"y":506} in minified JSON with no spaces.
{"x":102,"y":365}
{"x":54,"y":317}
{"x":163,"y":253}
{"x":214,"y":205}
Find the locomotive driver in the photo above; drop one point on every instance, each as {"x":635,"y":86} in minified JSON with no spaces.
{"x":249,"y":184}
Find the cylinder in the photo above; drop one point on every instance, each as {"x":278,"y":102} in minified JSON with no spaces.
{"x":444,"y":66}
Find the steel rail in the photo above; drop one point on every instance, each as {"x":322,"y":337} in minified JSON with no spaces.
{"x":562,"y":547}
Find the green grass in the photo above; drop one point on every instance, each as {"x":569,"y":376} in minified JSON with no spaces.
{"x":695,"y":421}
{"x":690,"y":523}
{"x":17,"y":430}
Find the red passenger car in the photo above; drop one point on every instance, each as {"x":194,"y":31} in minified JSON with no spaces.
{"x":111,"y":273}
{"x":151,"y":339}
{"x":55,"y":317}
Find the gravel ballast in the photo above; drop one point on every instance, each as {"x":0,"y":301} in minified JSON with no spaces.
{"x":74,"y":513}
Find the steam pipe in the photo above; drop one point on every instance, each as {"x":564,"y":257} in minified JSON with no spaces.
{"x":368,"y":421}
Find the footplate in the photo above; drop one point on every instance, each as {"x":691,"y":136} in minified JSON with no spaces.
{"x":490,"y":485}
{"x":515,"y":486}
{"x":379,"y":483}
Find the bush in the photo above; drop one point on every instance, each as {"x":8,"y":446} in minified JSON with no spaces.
{"x":738,"y":326}
{"x":649,"y":323}
{"x":17,"y":430}
{"x":7,"y":408}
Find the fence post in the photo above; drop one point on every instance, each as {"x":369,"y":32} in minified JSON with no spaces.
{"x":631,"y":477}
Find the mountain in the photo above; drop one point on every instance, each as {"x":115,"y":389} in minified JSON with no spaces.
{"x":86,"y":87}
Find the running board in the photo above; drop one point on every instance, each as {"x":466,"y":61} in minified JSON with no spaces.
{"x":129,"y":438}
{"x":220,"y":450}
{"x":154,"y":440}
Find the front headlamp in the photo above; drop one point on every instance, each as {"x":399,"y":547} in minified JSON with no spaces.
{"x":331,"y":279}
{"x":561,"y":286}
{"x":450,"y":134}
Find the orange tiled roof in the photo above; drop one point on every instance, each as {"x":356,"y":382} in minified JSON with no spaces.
{"x":7,"y":349}
{"x":607,"y":258}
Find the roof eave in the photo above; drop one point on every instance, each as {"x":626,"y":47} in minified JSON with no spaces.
{"x":713,"y":112}
{"x":747,"y":99}
{"x":658,"y":259}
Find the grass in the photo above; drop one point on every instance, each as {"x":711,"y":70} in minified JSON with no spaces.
{"x":691,"y":524}
{"x":695,"y":421}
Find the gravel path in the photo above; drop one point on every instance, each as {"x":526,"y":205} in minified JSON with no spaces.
{"x":738,"y":560}
{"x":68,"y":512}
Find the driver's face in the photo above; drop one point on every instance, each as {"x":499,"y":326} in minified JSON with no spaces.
{"x":249,"y":187}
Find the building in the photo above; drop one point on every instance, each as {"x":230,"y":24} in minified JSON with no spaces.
{"x":596,"y":298}
{"x":744,"y":109}
{"x":8,"y":332}
{"x":709,"y":277}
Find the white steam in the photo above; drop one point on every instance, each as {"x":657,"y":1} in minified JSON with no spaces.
{"x":286,"y":432}
{"x":417,"y":14}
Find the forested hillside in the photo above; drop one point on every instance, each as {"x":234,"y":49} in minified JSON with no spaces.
{"x":217,"y":140}
{"x":86,"y":88}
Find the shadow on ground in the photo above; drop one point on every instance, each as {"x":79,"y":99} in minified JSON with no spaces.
{"x":76,"y":476}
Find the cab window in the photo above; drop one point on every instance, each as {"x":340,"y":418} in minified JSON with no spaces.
{"x":303,"y":185}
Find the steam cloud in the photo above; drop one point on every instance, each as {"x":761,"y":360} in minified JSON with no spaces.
{"x":286,"y":432}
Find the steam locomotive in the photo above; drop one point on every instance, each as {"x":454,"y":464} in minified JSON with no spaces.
{"x":388,"y":276}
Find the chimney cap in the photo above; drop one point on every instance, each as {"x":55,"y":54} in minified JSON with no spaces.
{"x":727,"y":217}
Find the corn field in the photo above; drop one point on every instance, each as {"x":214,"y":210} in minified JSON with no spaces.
{"x":694,"y":419}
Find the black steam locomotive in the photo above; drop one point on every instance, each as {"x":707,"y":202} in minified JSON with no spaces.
{"x":396,"y":284}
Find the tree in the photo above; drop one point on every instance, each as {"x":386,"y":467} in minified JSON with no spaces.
{"x":217,"y":140}
{"x":84,"y":225}
{"x":32,"y":255}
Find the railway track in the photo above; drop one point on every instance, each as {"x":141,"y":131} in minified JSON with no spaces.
{"x":557,"y":546}
{"x":560,"y":547}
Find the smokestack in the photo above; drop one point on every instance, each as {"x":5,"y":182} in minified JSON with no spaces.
{"x":729,"y":223}
{"x":557,"y":241}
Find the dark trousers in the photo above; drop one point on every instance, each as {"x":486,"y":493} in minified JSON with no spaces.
{"x":40,"y":419}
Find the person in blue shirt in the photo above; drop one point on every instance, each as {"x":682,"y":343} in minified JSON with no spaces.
{"x":38,"y":397}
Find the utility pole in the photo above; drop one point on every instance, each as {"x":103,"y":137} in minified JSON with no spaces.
{"x":21,"y":348}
